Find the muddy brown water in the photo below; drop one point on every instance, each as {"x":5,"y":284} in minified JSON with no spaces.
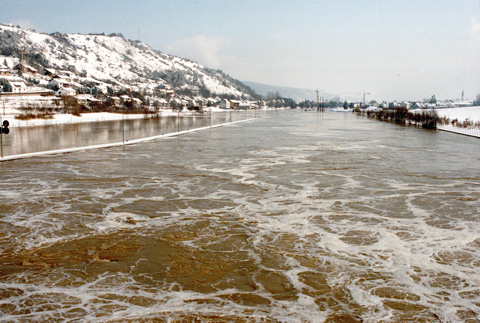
{"x":293,"y":217}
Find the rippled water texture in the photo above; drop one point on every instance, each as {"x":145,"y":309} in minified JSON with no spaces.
{"x":294,"y":217}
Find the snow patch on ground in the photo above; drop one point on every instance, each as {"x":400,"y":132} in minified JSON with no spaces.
{"x":471,"y":113}
{"x":461,"y":114}
{"x":86,"y":117}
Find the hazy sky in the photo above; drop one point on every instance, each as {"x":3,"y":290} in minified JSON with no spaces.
{"x":394,"y":49}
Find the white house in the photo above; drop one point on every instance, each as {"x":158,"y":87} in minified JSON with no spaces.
{"x":66,"y":75}
{"x":245,"y":105}
{"x":19,"y":87}
{"x":137,"y":103}
{"x":26,"y":69}
{"x":115,"y":101}
{"x":162,"y":102}
{"x":68,"y":91}
{"x":124,"y":99}
{"x":462,"y":104}
{"x":85,"y":98}
{"x":50,"y":72}
{"x":235,"y":104}
{"x":417,"y":105}
{"x":4,"y":70}
{"x":225,"y":104}
{"x":60,"y":83}
{"x":102,"y":88}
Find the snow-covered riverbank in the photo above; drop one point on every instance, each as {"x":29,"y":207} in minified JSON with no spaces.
{"x":86,"y":117}
{"x":460,"y":114}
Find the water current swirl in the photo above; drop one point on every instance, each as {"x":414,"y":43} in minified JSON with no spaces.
{"x":293,"y":217}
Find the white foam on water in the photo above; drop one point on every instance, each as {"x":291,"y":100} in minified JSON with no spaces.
{"x":118,"y":220}
{"x":111,"y":297}
{"x":414,"y":237}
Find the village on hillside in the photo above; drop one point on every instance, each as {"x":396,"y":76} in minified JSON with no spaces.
{"x":28,"y":90}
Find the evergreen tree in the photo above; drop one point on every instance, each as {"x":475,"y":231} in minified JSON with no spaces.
{"x":477,"y":100}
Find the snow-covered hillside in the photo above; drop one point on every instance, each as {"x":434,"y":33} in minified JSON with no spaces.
{"x":114,"y":60}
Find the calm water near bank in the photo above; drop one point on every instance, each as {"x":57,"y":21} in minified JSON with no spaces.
{"x":294,"y":217}
{"x":26,"y":140}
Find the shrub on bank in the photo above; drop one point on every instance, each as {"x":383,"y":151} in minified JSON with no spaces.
{"x":30,"y":116}
{"x":425,"y":119}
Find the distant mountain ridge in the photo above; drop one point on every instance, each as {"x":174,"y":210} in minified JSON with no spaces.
{"x":296,"y":94}
{"x":114,"y":60}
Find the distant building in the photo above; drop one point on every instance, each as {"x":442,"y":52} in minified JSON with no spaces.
{"x":245,"y":105}
{"x":462,"y":104}
{"x":82,"y":98}
{"x":417,"y":105}
{"x":124,"y":99}
{"x":137,"y":103}
{"x":66,"y":75}
{"x":115,"y":101}
{"x":161,"y":103}
{"x":50,"y":72}
{"x":225,"y":104}
{"x":235,"y":104}
{"x":4,"y":70}
{"x":26,"y":69}
{"x":60,"y":83}
{"x":230,"y":104}
{"x":19,"y":87}
{"x":211,"y":102}
{"x":66,"y":92}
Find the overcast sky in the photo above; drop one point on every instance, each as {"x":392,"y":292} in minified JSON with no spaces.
{"x":393,"y":49}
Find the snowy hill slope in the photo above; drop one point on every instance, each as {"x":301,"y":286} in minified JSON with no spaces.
{"x":114,"y":60}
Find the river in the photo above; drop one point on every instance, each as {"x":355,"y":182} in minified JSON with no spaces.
{"x":293,"y":217}
{"x":34,"y":139}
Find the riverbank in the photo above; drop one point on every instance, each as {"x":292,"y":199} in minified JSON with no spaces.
{"x":464,"y":121}
{"x":60,"y":118}
{"x":460,"y":114}
{"x":460,"y":131}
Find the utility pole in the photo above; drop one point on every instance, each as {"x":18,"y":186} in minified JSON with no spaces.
{"x":364,"y":96}
{"x":318,"y":100}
